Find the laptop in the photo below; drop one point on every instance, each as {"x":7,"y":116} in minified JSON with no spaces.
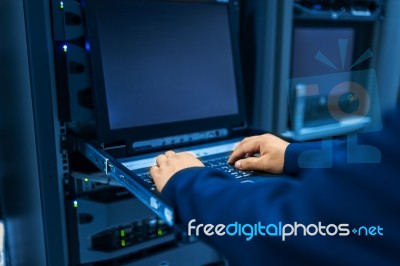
{"x":166,"y":76}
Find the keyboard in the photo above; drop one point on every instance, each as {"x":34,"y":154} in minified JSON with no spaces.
{"x":222,"y":164}
{"x":219,"y":162}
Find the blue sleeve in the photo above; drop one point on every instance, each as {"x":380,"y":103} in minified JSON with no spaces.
{"x":292,"y":153}
{"x":302,"y":155}
{"x":355,"y":194}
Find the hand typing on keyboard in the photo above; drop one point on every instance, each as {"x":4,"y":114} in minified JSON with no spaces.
{"x":170,"y":163}
{"x":270,"y":148}
{"x":270,"y":151}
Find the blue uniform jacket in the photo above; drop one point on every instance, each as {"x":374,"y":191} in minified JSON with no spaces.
{"x":358,"y":200}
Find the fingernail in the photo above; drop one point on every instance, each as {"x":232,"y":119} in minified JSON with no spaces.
{"x":238,"y":164}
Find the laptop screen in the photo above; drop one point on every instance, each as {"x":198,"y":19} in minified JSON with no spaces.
{"x":162,"y":67}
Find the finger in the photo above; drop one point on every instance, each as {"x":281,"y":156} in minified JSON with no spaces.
{"x":160,"y":159}
{"x":248,"y":147}
{"x":170,"y":153}
{"x":251,"y":163}
{"x":154,"y":170}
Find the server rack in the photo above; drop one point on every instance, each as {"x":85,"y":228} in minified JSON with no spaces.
{"x":34,"y":152}
{"x":59,"y":208}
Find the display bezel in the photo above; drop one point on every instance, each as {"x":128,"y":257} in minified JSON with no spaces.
{"x":107,"y":135}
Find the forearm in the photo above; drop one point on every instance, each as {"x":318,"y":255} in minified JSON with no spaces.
{"x":208,"y":195}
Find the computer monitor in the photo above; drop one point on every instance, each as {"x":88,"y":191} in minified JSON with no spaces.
{"x":163,"y":67}
{"x":310,"y":41}
{"x":330,"y":77}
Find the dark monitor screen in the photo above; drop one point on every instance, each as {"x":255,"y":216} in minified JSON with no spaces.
{"x":325,"y":54}
{"x":161,"y":63}
{"x":309,"y":41}
{"x":316,"y":52}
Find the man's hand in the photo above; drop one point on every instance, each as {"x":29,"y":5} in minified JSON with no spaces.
{"x":270,"y":148}
{"x":170,"y":163}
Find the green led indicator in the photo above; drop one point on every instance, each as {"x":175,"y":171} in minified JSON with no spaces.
{"x":75,"y":204}
{"x":123,"y":243}
{"x":86,"y":179}
{"x":65,"y":48}
{"x":61,"y":4}
{"x":159,"y":232}
{"x":122,"y":233}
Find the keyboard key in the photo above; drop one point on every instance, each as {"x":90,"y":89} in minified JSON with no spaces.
{"x":220,"y":163}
